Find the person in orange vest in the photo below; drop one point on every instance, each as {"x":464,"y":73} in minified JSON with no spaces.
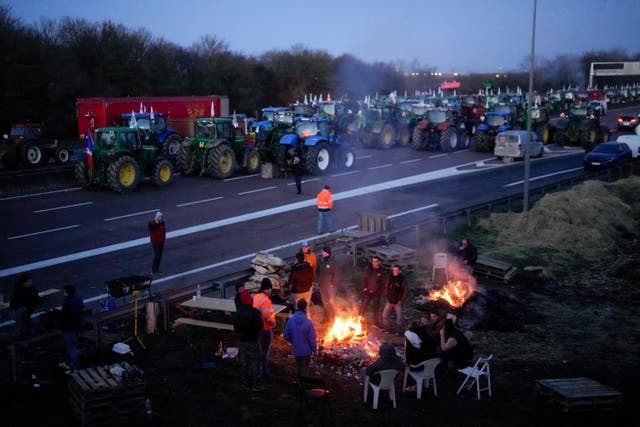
{"x":263,"y":303}
{"x":324,"y":202}
{"x":310,"y":257}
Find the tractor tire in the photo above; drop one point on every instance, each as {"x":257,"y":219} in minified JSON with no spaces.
{"x":32,"y":155}
{"x":123,"y":174}
{"x":449,"y":140}
{"x":464,"y":140}
{"x":171,"y":146}
{"x":544,"y":133}
{"x":162,"y":173}
{"x":404,"y":137}
{"x":387,"y":138}
{"x":419,"y":139}
{"x":346,"y":158}
{"x":317,"y":159}
{"x":604,"y":134}
{"x":186,"y":161}
{"x":221,"y":162}
{"x":62,"y":155}
{"x":481,"y":142}
{"x":560,"y":138}
{"x":253,"y":161}
{"x":286,"y":153}
{"x":588,"y":136}
{"x":82,"y":175}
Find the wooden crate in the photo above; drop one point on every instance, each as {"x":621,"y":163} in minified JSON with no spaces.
{"x":578,"y":393}
{"x":96,"y":396}
{"x":494,"y":269}
{"x":392,"y":254}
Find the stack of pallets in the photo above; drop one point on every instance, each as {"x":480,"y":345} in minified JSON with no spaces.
{"x":494,"y":269}
{"x":391,"y":255}
{"x":97,"y":396}
{"x":578,"y":393}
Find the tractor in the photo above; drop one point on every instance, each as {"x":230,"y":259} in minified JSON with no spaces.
{"x":215,"y":148}
{"x":471,"y":110}
{"x":539,"y":122}
{"x":580,"y":127}
{"x":440,"y":129}
{"x":120,"y":158}
{"x":492,"y":123}
{"x":267,"y":133}
{"x":382,"y":125}
{"x":154,"y":129}
{"x":26,"y":145}
{"x":318,"y":146}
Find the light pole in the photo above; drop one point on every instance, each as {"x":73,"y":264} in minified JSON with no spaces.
{"x":525,"y":198}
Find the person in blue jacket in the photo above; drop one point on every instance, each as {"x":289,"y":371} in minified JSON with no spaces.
{"x":302,"y":335}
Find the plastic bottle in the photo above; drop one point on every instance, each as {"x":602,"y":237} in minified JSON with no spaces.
{"x":198,"y":292}
{"x":147,"y":407}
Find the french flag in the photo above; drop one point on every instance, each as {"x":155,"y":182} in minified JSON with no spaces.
{"x":89,"y":150}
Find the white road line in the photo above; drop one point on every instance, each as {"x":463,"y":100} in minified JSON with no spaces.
{"x":235,"y":178}
{"x":410,"y":161}
{"x":543,"y":176}
{"x":40,"y":194}
{"x":345,"y":173}
{"x":43,"y":232}
{"x":63,"y":207}
{"x":413,"y":211}
{"x":130,"y":215}
{"x":256,"y":191}
{"x":461,"y":151}
{"x":181,"y":205}
{"x":304,"y":180}
{"x":364,"y":157}
{"x":380,"y":166}
{"x":436,"y":156}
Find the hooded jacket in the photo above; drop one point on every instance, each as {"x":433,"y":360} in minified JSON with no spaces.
{"x":301,"y":334}
{"x":301,"y":278}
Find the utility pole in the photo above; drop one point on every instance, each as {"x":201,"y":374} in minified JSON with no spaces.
{"x":527,"y":157}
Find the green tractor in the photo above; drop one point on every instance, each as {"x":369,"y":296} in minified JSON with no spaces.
{"x":215,"y":149}
{"x":539,"y":122}
{"x":580,"y":127}
{"x":382,"y":126}
{"x":119,"y":159}
{"x":276,"y":122}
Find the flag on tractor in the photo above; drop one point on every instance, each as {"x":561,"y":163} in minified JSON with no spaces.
{"x":133,"y":123}
{"x":213,"y":110}
{"x":89,"y":150}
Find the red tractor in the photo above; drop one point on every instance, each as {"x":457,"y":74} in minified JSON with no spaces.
{"x":26,"y":145}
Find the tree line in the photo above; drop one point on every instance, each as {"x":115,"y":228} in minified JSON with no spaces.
{"x":46,"y":67}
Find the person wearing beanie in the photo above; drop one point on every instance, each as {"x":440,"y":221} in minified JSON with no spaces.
{"x":324,"y":203}
{"x":302,"y":335}
{"x":301,"y":280}
{"x":71,"y":317}
{"x":247,"y":325}
{"x":263,"y":304}
{"x":23,"y":302}
{"x":157,"y":236}
{"x":328,"y":278}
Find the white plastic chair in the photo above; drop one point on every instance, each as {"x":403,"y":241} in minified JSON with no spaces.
{"x":475,"y":372}
{"x":440,"y":262}
{"x":422,"y":376}
{"x":387,"y":382}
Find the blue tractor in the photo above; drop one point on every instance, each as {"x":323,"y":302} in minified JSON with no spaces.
{"x":317,"y":145}
{"x":153,"y":128}
{"x":492,"y":122}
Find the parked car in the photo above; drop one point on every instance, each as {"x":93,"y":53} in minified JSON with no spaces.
{"x":627,"y":121}
{"x":513,"y":143}
{"x":607,"y":154}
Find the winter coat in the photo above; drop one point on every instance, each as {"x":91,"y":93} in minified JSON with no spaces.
{"x":388,"y":360}
{"x":374,"y":280}
{"x":72,"y":314}
{"x":25,"y":296}
{"x":396,"y":288}
{"x":247,"y":323}
{"x":157,"y":232}
{"x":301,"y":334}
{"x":301,"y":278}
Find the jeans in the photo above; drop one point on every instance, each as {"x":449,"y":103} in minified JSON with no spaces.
{"x":157,"y":256}
{"x":250,"y":371}
{"x":71,"y":342}
{"x":299,"y":183}
{"x":386,"y":315}
{"x":302,"y":364}
{"x":368,"y":297}
{"x":325,"y":217}
{"x":265,"y":349}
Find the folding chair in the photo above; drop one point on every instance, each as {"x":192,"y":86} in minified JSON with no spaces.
{"x":474,"y":373}
{"x":422,"y":376}
{"x":387,"y":382}
{"x":314,"y":389}
{"x":440,"y":262}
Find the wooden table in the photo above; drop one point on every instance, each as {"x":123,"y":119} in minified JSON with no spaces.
{"x":220,"y":304}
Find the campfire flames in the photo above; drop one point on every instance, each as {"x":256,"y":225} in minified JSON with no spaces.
{"x":349,"y":332}
{"x":455,"y":293}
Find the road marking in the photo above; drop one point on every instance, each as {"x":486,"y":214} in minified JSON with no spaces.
{"x":461,"y":151}
{"x":235,"y":178}
{"x":345,"y":173}
{"x":181,"y":205}
{"x":410,"y":161}
{"x":413,"y":211}
{"x":543,"y":176}
{"x":40,"y":194}
{"x":364,"y":157}
{"x":380,"y":166}
{"x":256,"y":191}
{"x":130,"y":215}
{"x":43,"y":232}
{"x":63,"y":207}
{"x":436,"y":156}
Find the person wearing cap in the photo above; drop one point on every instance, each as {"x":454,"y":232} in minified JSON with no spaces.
{"x":301,"y":280}
{"x":310,"y":257}
{"x":157,"y":236}
{"x":71,"y":317}
{"x":324,"y":203}
{"x":302,"y":336}
{"x":263,"y":303}
{"x":247,"y":325}
{"x":328,"y":281}
{"x":24,"y":301}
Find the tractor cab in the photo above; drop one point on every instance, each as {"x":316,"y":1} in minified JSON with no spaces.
{"x":308,"y":127}
{"x":212,"y":129}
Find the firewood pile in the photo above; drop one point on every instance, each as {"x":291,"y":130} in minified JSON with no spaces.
{"x":270,"y":266}
{"x":347,"y":359}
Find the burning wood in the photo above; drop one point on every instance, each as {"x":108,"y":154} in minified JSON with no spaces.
{"x":455,"y":293}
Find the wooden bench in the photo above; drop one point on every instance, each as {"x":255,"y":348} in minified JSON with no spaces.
{"x":494,"y":269}
{"x":202,"y":323}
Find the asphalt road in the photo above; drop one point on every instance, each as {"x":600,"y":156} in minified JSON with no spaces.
{"x":215,"y":227}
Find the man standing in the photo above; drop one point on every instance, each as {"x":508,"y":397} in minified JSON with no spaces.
{"x":374,"y":280}
{"x":396,"y":290}
{"x":310,"y":257}
{"x":302,"y":335}
{"x":24,"y":301}
{"x":468,"y":253}
{"x":328,"y":281}
{"x":157,"y":235}
{"x":263,"y":303}
{"x":247,"y":324}
{"x":301,"y":280}
{"x":298,"y":169}
{"x":324,"y":202}
{"x":71,"y":325}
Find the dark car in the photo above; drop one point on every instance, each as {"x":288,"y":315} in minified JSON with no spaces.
{"x":607,"y":154}
{"x":627,"y":121}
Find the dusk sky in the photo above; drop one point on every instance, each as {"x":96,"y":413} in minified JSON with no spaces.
{"x":462,"y":36}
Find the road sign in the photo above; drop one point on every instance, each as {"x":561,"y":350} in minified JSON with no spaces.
{"x":486,"y":84}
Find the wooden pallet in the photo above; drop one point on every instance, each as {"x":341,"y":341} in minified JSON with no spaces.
{"x":494,"y":269}
{"x":96,"y":395}
{"x":578,"y":393}
{"x":373,"y":223}
{"x":392,"y":254}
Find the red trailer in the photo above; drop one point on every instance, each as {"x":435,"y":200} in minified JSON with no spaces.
{"x":182,"y":111}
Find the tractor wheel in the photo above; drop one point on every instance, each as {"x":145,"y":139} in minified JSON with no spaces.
{"x":368,"y":140}
{"x":405,"y":136}
{"x":162,"y":173}
{"x":604,"y":134}
{"x":418,"y":139}
{"x":186,"y":161}
{"x":449,"y":140}
{"x":11,"y":157}
{"x":544,"y":133}
{"x":123,"y":175}
{"x":317,"y":159}
{"x":32,"y":155}
{"x":286,"y":153}
{"x":171,"y":146}
{"x":464,"y":140}
{"x":62,"y":155}
{"x":480,"y":142}
{"x":221,"y":162}
{"x":346,"y":158}
{"x":588,"y":136}
{"x":387,"y":137}
{"x":82,"y":175}
{"x":253,"y":161}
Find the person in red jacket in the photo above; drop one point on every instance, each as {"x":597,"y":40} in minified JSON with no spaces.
{"x":157,"y":235}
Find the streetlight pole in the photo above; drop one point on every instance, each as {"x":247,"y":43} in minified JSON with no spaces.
{"x":525,"y":198}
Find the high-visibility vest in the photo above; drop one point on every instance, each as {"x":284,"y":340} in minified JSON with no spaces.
{"x":262,"y":302}
{"x":324,"y":199}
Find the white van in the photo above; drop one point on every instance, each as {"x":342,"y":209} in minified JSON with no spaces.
{"x":512,"y":143}
{"x":633,"y":141}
